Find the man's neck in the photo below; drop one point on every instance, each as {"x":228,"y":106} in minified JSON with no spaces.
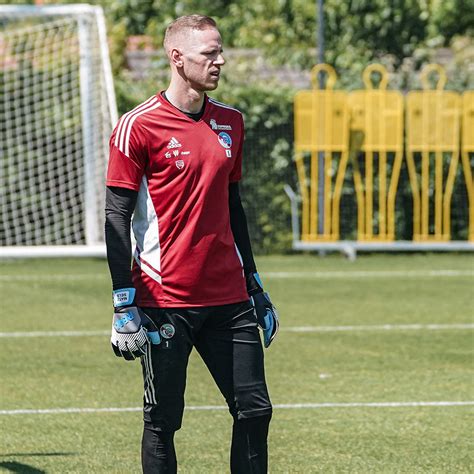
{"x":189,"y":100}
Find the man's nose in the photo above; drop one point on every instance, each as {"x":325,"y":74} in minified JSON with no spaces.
{"x":220,"y":60}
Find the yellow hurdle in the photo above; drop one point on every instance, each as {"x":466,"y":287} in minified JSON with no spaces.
{"x":432,"y":144}
{"x":376,"y":145}
{"x":321,"y":127}
{"x":467,"y":153}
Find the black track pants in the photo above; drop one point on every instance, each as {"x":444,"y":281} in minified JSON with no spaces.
{"x":248,"y":455}
{"x":228,"y":341}
{"x":158,"y":453}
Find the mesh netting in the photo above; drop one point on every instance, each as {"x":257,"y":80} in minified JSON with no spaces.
{"x":53,"y":156}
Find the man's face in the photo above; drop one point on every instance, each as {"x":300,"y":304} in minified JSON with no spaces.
{"x":202,"y":59}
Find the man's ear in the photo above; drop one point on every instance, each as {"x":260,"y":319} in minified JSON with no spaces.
{"x":175,"y":56}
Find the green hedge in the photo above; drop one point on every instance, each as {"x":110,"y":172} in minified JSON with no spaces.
{"x":268,"y":165}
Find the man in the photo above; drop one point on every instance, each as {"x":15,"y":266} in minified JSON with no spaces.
{"x":175,"y":163}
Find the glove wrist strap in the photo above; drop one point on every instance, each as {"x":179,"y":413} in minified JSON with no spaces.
{"x":123,"y":297}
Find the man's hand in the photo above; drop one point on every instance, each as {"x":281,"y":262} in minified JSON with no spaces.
{"x":132,"y":329}
{"x":267,"y":317}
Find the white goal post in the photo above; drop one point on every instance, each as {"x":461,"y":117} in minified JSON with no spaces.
{"x":57,"y":110}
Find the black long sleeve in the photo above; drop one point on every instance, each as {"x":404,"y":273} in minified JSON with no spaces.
{"x":238,"y":223}
{"x":119,"y":207}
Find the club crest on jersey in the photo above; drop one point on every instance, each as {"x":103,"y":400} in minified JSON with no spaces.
{"x":173,"y":143}
{"x":224,"y":139}
{"x":167,"y":331}
{"x":179,"y":164}
{"x":216,"y":126}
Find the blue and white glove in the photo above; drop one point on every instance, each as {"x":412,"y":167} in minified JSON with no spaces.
{"x":267,"y":317}
{"x":132,"y":329}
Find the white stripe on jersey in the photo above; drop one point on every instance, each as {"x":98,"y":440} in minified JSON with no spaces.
{"x":124,"y":140}
{"x":126,"y":122}
{"x":125,"y":116}
{"x":224,"y":106}
{"x":240,"y":258}
{"x":147,"y":268}
{"x":129,"y":129}
{"x":146,"y":231}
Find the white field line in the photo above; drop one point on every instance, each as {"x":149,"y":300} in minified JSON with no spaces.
{"x":295,"y":406}
{"x":380,"y":327}
{"x":365,"y":328}
{"x":55,"y":334}
{"x":344,"y":274}
{"x":55,"y":277}
{"x":369,"y":274}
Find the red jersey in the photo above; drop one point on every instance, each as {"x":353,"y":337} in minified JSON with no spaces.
{"x":185,"y":252}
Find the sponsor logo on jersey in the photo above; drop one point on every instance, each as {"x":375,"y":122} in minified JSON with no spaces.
{"x":179,"y":164}
{"x":170,"y":154}
{"x":185,"y":152}
{"x":224,"y":139}
{"x":173,"y":143}
{"x":228,"y":153}
{"x":167,"y":331}
{"x":216,"y":126}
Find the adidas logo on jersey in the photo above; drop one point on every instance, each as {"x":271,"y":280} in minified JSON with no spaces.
{"x":173,"y":143}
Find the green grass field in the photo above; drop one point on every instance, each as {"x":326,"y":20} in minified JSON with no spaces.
{"x":322,"y":371}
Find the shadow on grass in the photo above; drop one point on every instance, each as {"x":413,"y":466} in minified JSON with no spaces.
{"x":14,"y":466}
{"x":18,"y":455}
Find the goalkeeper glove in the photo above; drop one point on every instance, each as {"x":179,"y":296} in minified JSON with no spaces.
{"x":267,"y":317}
{"x":132,"y":329}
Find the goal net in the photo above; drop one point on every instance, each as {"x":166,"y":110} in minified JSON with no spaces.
{"x":57,"y":110}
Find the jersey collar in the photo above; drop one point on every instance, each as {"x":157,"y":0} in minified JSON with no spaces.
{"x":175,"y":111}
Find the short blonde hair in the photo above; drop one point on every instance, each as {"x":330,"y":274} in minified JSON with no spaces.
{"x":189,"y":22}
